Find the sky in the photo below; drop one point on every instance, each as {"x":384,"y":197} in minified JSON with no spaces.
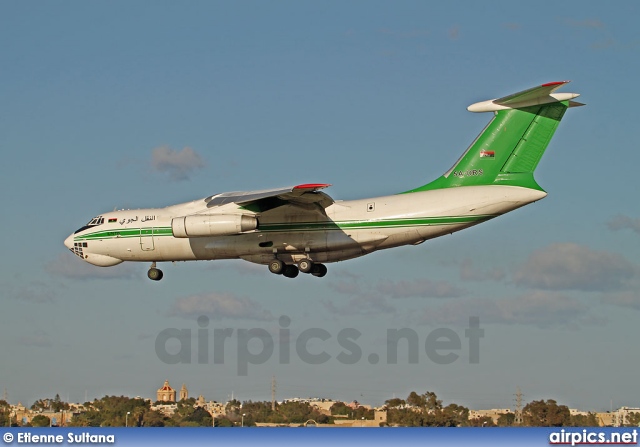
{"x":146,"y":104}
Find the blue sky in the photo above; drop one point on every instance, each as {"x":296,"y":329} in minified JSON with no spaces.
{"x":141,"y":104}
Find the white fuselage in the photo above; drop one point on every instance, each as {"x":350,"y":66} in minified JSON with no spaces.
{"x":344,"y":230}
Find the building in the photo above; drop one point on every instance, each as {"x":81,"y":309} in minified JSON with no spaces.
{"x":166,"y":409}
{"x":323,"y":406}
{"x":184,"y":392}
{"x":380,"y":416}
{"x":216,"y":409}
{"x":166,"y":393}
{"x":625,"y":417}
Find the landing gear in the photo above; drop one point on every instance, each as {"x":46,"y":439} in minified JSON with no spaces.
{"x":305,"y":266}
{"x":290,"y":271}
{"x":154,"y":274}
{"x":276,"y":266}
{"x":308,"y":266}
{"x":280,"y":268}
{"x":319,"y":270}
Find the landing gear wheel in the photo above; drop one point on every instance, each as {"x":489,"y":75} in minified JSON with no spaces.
{"x":155,"y":274}
{"x":290,"y":271}
{"x":276,"y":266}
{"x":319,"y":270}
{"x":305,"y":266}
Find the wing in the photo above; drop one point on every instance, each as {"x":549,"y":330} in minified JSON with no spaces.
{"x":306,"y":194}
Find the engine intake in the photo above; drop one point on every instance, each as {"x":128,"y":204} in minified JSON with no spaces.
{"x":203,"y":225}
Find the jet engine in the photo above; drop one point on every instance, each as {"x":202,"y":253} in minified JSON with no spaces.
{"x":204,"y":225}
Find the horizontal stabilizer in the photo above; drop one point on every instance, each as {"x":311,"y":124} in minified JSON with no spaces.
{"x":543,"y":94}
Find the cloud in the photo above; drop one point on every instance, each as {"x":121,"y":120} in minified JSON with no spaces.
{"x":585,"y":23}
{"x":622,"y":222}
{"x":603,"y":44}
{"x":218,"y":306}
{"x":469,"y":272}
{"x":241,"y":267}
{"x":363,"y":299}
{"x":178,"y":164}
{"x":568,"y":266}
{"x":454,"y":32}
{"x":372,"y":299}
{"x":38,"y":339}
{"x":542,"y":309}
{"x":423,"y":288}
{"x":360,"y":305}
{"x":627,"y":298}
{"x":413,"y":34}
{"x":69,"y":266}
{"x":36,"y":292}
{"x":512,"y":26}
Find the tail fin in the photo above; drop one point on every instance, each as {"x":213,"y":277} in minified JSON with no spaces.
{"x":510,"y":147}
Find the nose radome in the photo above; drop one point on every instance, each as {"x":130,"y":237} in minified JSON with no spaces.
{"x":68,"y":242}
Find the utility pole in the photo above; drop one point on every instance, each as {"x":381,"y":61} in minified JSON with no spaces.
{"x":273,"y":393}
{"x":5,"y":395}
{"x":519,"y":395}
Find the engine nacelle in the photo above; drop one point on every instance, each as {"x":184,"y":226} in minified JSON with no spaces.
{"x":203,"y":225}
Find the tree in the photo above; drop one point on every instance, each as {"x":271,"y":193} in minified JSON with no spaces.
{"x":482,"y":421}
{"x":632,"y":420}
{"x":41,"y":404}
{"x":58,"y":405}
{"x":427,"y":401}
{"x":223,"y":422}
{"x":581,"y":420}
{"x":506,"y":419}
{"x":431,"y":401}
{"x":153,"y":418}
{"x":415,"y":400}
{"x":233,"y":406}
{"x":339,"y":408}
{"x":40,"y":421}
{"x":425,"y":410}
{"x":200,"y":417}
{"x":395,"y":402}
{"x":540,"y":413}
{"x":111,"y":411}
{"x":5,"y":413}
{"x":453,"y":415}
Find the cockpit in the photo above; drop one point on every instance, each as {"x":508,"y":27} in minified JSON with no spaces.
{"x":92,"y":223}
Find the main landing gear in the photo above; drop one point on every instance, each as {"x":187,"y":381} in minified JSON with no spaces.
{"x":154,"y":274}
{"x":291,"y":271}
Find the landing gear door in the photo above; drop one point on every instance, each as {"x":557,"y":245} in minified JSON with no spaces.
{"x":146,"y":239}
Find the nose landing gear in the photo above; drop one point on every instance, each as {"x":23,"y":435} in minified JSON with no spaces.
{"x":154,"y":274}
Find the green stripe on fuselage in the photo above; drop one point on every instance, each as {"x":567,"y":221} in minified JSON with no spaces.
{"x":302,"y":226}
{"x":125,"y":233}
{"x":373,"y":224}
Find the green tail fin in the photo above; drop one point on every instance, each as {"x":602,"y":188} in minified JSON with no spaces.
{"x":508,"y":150}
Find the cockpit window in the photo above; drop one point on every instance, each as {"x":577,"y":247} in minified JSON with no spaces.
{"x":92,"y":223}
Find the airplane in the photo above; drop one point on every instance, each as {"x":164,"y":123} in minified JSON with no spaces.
{"x":300,"y":228}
